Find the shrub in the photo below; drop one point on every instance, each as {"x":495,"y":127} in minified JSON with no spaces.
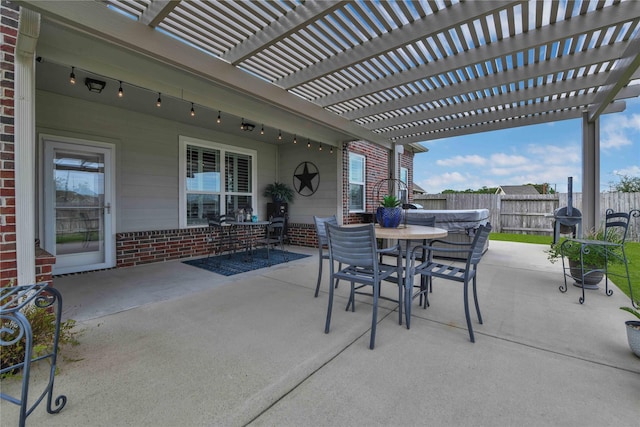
{"x":43,"y":326}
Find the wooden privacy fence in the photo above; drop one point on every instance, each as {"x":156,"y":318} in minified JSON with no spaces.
{"x":530,"y":214}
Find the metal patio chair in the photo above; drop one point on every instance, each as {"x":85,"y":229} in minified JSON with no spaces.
{"x":355,"y":248}
{"x":463,"y":274}
{"x":323,"y":243}
{"x":222,"y":237}
{"x":273,"y":237}
{"x":611,"y":246}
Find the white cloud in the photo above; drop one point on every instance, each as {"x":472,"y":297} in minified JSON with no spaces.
{"x":437,"y":183}
{"x":501,"y":159}
{"x":462,"y":160}
{"x":616,"y":129}
{"x":629,"y":171}
{"x":555,"y":154}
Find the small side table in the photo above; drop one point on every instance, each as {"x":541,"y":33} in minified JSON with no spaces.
{"x":15,"y":328}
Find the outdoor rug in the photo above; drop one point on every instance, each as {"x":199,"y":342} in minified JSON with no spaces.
{"x":239,"y":263}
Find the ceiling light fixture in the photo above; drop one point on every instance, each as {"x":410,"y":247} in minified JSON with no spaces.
{"x":331,"y":150}
{"x":219,"y":119}
{"x":193,"y":112}
{"x":262,"y":130}
{"x":120,"y":91}
{"x":320,"y":148}
{"x":94,"y":85}
{"x":295,"y":139}
{"x":308,"y":144}
{"x":159,"y":101}
{"x":247,"y":127}
{"x":279,"y":134}
{"x":72,"y":76}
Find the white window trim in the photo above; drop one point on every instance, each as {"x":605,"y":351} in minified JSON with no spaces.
{"x":363,"y":183}
{"x":223,"y":148}
{"x":406,"y":181}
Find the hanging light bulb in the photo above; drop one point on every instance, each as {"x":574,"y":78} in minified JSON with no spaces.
{"x":159,"y":101}
{"x":72,"y":76}
{"x":320,"y":148}
{"x":193,"y":112}
{"x":308,"y":144}
{"x":219,"y":119}
{"x":295,"y":139}
{"x":262,"y":130}
{"x":331,"y":150}
{"x":120,"y":91}
{"x":242,"y":124}
{"x":279,"y":134}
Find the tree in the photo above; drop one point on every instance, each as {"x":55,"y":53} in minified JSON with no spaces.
{"x":627,"y":184}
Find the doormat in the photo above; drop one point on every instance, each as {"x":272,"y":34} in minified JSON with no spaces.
{"x":228,"y":265}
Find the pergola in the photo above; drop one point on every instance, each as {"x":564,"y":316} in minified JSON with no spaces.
{"x":388,"y":72}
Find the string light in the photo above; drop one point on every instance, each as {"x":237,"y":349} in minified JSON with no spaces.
{"x":193,"y":112}
{"x":159,"y":101}
{"x":72,"y":76}
{"x":120,"y":91}
{"x":279,"y":135}
{"x":308,"y":144}
{"x":219,"y":119}
{"x":295,"y":139}
{"x":262,"y":130}
{"x":331,"y":150}
{"x":320,"y":148}
{"x":242,"y":124}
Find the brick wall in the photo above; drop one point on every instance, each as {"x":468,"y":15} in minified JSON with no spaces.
{"x":9,"y":33}
{"x":144,"y":247}
{"x":377,"y":168}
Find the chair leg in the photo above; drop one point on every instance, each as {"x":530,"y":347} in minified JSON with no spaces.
{"x":352,"y":298}
{"x":319,"y":276}
{"x":466,"y":310}
{"x":329,"y":308}
{"x":374,"y":316}
{"x":475,"y":299}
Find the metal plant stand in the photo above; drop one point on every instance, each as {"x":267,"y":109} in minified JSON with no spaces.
{"x":16,"y":328}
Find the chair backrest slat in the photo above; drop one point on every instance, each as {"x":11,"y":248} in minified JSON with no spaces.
{"x":321,"y":227}
{"x":617,"y":222}
{"x":352,"y":245}
{"x":478,"y":244}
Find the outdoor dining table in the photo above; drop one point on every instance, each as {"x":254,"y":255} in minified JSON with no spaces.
{"x":407,"y":232}
{"x":250,"y":239}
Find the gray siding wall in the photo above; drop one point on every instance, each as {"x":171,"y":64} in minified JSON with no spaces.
{"x":146,"y":156}
{"x":324,"y":201}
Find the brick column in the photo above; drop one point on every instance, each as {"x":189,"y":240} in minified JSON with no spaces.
{"x":9,"y":33}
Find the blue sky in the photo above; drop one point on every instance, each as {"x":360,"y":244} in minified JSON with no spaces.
{"x":532,"y":154}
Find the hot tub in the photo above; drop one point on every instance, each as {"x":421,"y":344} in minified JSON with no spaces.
{"x":461,"y":224}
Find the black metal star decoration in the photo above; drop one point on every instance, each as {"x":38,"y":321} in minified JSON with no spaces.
{"x":306,"y":175}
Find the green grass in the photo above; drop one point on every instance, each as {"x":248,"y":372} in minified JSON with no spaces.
{"x":632,"y":249}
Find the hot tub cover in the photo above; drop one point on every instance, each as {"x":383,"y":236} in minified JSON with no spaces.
{"x":454,"y":220}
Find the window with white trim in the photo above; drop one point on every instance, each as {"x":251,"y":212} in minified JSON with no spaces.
{"x":404,"y":177}
{"x":356,"y":182}
{"x":216,"y":179}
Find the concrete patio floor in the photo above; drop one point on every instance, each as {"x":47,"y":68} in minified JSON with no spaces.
{"x":173,"y":345}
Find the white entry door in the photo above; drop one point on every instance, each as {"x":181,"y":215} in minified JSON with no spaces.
{"x":78,"y":217}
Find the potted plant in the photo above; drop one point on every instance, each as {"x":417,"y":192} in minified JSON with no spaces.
{"x":279,"y":192}
{"x":633,"y":329}
{"x":594,"y":257}
{"x":389,"y":214}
